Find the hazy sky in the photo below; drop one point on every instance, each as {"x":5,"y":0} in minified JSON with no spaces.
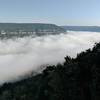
{"x":60,"y":12}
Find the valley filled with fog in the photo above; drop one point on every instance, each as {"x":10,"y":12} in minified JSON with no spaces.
{"x":19,"y":56}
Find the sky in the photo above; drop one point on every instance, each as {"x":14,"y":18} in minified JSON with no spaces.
{"x":60,"y":12}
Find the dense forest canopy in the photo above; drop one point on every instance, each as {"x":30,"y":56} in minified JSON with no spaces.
{"x":76,"y":79}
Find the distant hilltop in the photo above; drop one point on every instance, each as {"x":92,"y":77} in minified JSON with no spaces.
{"x":11,"y":29}
{"x":82,"y":28}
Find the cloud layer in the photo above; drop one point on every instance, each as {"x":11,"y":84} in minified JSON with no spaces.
{"x":22,"y":55}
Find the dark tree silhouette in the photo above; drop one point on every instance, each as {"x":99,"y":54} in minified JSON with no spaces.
{"x":75,"y":79}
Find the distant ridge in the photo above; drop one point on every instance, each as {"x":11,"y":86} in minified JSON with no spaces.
{"x":82,"y":28}
{"x":9,"y":30}
{"x":30,"y":27}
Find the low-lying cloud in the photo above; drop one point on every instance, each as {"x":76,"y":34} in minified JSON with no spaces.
{"x":22,"y":55}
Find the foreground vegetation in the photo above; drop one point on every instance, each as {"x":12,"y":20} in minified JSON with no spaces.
{"x":75,"y":79}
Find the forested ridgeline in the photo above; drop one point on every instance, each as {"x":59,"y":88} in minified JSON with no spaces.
{"x":75,"y":79}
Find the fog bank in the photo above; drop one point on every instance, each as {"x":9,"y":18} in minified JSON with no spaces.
{"x":22,"y":55}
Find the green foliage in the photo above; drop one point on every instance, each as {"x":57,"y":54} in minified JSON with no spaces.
{"x":76,"y":79}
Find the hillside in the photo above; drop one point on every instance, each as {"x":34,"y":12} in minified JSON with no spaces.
{"x":82,"y":28}
{"x":25,"y":29}
{"x":75,"y":79}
